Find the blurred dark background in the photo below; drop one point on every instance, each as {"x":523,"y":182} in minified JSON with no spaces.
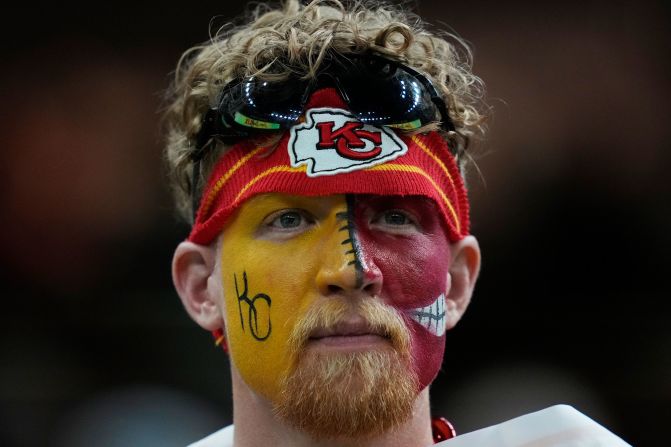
{"x":572,"y":211}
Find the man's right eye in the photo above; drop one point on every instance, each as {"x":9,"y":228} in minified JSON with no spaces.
{"x":287,"y":220}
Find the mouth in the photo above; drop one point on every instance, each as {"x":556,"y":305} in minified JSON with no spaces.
{"x":351,"y":335}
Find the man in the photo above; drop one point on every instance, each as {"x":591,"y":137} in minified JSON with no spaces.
{"x":320,"y":151}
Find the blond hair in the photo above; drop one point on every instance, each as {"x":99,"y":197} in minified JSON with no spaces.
{"x":293,"y":40}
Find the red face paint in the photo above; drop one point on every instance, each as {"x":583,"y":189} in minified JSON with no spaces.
{"x":403,"y":240}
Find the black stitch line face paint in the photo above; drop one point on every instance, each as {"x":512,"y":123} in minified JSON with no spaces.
{"x":352,"y":242}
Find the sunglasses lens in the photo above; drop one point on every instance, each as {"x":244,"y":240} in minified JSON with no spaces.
{"x":381,"y":92}
{"x":266,"y":105}
{"x":378,"y":92}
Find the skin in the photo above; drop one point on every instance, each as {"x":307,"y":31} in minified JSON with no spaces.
{"x":286,"y":248}
{"x":276,"y":241}
{"x":292,"y":253}
{"x":411,"y":226}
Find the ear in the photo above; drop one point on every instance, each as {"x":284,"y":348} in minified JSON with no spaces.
{"x":462,"y":276}
{"x":197,"y":284}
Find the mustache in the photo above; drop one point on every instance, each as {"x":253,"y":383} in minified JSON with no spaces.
{"x":334,"y":314}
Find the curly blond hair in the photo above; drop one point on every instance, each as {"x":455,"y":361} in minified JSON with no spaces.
{"x":293,"y":40}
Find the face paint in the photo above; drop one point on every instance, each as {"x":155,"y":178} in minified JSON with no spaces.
{"x":277,"y":250}
{"x":403,"y":239}
{"x":272,"y":251}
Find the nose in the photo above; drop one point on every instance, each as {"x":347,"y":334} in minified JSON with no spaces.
{"x":344,"y":271}
{"x":344,"y":280}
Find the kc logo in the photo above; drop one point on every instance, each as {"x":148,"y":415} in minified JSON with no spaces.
{"x":349,"y":136}
{"x":332,"y":141}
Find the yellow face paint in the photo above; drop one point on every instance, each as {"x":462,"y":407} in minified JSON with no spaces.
{"x":272,"y":254}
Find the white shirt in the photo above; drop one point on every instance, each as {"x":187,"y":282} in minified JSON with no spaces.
{"x":557,"y":426}
{"x":220,"y":438}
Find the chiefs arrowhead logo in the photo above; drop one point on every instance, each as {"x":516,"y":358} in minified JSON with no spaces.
{"x":332,"y":141}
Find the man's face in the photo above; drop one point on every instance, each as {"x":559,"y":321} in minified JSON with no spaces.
{"x":285,"y":256}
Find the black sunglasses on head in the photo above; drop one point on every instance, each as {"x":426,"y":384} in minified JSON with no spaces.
{"x":377,"y":90}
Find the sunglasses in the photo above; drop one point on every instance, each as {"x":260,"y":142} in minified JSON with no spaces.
{"x":378,"y":91}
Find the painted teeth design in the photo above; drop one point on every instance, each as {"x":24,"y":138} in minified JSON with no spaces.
{"x":431,"y":317}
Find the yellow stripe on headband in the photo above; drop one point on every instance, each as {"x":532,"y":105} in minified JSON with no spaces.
{"x":417,"y":170}
{"x":264,"y":174}
{"x":224,"y":178}
{"x":421,"y":144}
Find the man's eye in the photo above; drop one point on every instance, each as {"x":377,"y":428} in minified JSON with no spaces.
{"x":290,"y":219}
{"x":285,"y":224}
{"x":396,"y":218}
{"x":395,"y":221}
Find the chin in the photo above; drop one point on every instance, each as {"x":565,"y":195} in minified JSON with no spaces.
{"x":335,"y":394}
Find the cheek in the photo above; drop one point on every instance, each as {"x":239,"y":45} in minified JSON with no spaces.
{"x":414,"y":273}
{"x":265,"y":291}
{"x":427,"y":353}
{"x":413,"y":268}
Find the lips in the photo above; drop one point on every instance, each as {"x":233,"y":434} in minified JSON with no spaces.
{"x":358,"y":327}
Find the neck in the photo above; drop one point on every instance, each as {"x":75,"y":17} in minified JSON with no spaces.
{"x":255,"y":424}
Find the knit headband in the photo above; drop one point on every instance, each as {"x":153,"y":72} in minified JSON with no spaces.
{"x":332,"y":152}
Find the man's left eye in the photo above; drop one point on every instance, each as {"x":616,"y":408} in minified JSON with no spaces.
{"x":396,"y":218}
{"x":394,"y":221}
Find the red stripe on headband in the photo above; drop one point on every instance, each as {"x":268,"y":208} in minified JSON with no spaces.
{"x":426,"y":169}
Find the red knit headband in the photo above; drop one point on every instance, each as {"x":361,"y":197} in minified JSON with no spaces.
{"x":333,"y":153}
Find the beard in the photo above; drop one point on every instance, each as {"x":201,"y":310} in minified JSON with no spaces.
{"x":349,"y":394}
